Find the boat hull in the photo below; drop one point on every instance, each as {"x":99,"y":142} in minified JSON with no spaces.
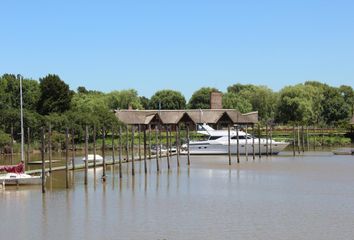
{"x":20,"y":179}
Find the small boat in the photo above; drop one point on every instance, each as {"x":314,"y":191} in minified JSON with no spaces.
{"x":20,"y":179}
{"x":344,"y":151}
{"x":91,"y":157}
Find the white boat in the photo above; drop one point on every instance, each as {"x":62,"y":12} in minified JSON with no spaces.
{"x":217,"y":142}
{"x":19,"y":179}
{"x":91,"y":158}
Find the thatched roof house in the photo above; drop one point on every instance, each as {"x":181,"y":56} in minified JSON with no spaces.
{"x":190,"y":116}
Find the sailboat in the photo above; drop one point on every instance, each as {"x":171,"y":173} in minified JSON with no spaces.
{"x":15,"y":174}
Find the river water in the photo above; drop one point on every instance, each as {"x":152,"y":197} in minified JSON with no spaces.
{"x":279,"y":197}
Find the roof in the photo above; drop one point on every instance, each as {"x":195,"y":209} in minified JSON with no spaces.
{"x":210,"y":116}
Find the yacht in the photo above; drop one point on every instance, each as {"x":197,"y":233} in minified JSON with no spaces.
{"x":217,"y":142}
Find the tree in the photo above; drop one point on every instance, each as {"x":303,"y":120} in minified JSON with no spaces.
{"x":235,"y":101}
{"x":123,"y":99}
{"x":55,"y":96}
{"x":144,"y":101}
{"x":167,"y":99}
{"x":335,"y":108}
{"x":201,"y":98}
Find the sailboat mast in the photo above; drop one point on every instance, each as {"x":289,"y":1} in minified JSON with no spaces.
{"x":22,"y":131}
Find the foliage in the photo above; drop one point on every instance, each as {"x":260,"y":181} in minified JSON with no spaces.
{"x":4,"y":139}
{"x":123,"y":99}
{"x":201,"y":98}
{"x":167,"y":99}
{"x":145,"y":102}
{"x":55,"y":96}
{"x":235,"y":101}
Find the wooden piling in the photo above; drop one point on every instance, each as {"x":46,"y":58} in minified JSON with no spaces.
{"x":86,"y":155}
{"x":298,"y":139}
{"x":177,"y":143}
{"x":160,"y":141}
{"x":113,"y":157}
{"x":157,"y":149}
{"x":145,"y":166}
{"x":120,"y":151}
{"x":259,"y":141}
{"x":271,"y":140}
{"x":167,"y":149}
{"x":127,"y":142}
{"x":103,"y":153}
{"x":294,"y":140}
{"x":28,"y":146}
{"x":73,"y":148}
{"x":314,"y":137}
{"x":42,"y":157}
{"x":149,"y":141}
{"x":303,"y":139}
{"x":307,"y":138}
{"x":67,"y":158}
{"x":94,"y":146}
{"x":139,"y":142}
{"x":188,"y":150}
{"x":246,"y":146}
{"x":133,"y":136}
{"x":253,"y":150}
{"x":238,"y":144}
{"x":50,"y":147}
{"x":229,"y":143}
{"x":12,"y":145}
{"x":267,"y":143}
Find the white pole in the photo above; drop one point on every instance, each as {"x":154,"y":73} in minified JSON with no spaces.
{"x":22,"y":132}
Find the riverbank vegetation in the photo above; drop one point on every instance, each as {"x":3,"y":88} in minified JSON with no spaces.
{"x":49,"y":100}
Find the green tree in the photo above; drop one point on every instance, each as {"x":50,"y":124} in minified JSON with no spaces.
{"x":201,"y":98}
{"x":55,"y":96}
{"x":123,"y":99}
{"x":235,"y":101}
{"x":167,"y":99}
{"x":144,"y":101}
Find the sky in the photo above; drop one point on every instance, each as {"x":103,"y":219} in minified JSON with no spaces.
{"x":180,"y":45}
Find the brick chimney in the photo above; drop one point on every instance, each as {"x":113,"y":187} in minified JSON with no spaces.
{"x":215,"y":100}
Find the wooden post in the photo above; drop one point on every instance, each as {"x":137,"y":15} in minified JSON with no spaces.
{"x":139,"y":142}
{"x":307,"y":138}
{"x":294,"y":140}
{"x":127,"y":143}
{"x":229,"y":143}
{"x":120,"y":151}
{"x":28,"y":145}
{"x":67,"y":158}
{"x":160,"y":141}
{"x":149,"y":141}
{"x":94,"y":146}
{"x":238,"y":145}
{"x":167,"y":149}
{"x":43,"y":161}
{"x":86,"y":154}
{"x":133,"y":135}
{"x":113,"y":157}
{"x":259,"y":141}
{"x":271,"y":140}
{"x":145,"y":166}
{"x":103,"y":153}
{"x":246,"y":146}
{"x":50,"y":147}
{"x":12,"y":145}
{"x":73,"y":148}
{"x":188,"y":151}
{"x":267,"y":133}
{"x":298,"y":139}
{"x":177,"y":143}
{"x":253,"y":150}
{"x":157,"y":149}
{"x":303,"y":139}
{"x":314,"y":137}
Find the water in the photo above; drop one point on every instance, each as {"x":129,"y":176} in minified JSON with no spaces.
{"x":307,"y":197}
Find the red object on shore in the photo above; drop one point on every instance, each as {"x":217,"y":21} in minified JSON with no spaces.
{"x":19,"y":168}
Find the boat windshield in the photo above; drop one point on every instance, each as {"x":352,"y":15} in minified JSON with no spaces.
{"x":241,"y":137}
{"x":214,"y":137}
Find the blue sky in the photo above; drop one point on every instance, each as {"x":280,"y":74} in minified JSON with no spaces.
{"x":180,"y":45}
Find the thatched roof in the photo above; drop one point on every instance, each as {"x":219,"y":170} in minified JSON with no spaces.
{"x":352,"y":121}
{"x":210,"y":116}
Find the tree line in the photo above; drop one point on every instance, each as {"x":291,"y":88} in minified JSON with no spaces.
{"x":50,"y":100}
